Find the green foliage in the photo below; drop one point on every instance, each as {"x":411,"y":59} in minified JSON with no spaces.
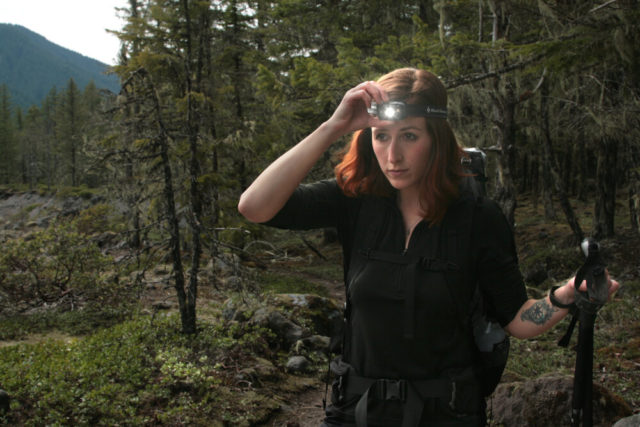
{"x":94,"y":219}
{"x":140,"y":372}
{"x":80,"y":322}
{"x":81,"y":191}
{"x":60,"y":266}
{"x":286,"y":284}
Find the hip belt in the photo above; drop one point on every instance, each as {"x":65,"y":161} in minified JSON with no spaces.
{"x":460,"y":393}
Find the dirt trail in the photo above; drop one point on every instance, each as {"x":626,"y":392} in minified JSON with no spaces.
{"x":304,"y":411}
{"x":305,"y":408}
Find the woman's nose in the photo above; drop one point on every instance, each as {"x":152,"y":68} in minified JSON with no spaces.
{"x":395,"y":151}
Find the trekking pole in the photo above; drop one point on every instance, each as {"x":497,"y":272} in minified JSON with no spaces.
{"x":587,"y":304}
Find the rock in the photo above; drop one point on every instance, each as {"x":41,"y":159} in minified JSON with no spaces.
{"x":284,"y":328}
{"x":261,"y":370}
{"x":162,"y":305}
{"x":632,"y":421}
{"x":546,"y":401}
{"x":324,"y":314}
{"x":287,"y":331}
{"x":232,"y":282}
{"x":228,"y":310}
{"x":239,"y":312}
{"x":316,"y":342}
{"x":297,"y":364}
{"x":265,"y":369}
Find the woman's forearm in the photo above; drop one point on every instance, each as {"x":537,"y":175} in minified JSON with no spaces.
{"x":538,"y":316}
{"x":273,"y":187}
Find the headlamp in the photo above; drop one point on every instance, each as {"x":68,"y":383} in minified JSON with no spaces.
{"x":398,"y":110}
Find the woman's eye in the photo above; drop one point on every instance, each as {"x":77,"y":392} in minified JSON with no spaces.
{"x":381,"y":137}
{"x":410,"y":136}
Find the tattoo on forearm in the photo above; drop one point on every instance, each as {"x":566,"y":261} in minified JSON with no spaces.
{"x":539,"y":313}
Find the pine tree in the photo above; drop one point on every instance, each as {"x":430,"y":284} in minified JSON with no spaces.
{"x":68,"y":131}
{"x":7,"y":137}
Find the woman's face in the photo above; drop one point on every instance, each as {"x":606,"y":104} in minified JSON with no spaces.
{"x":402,"y":149}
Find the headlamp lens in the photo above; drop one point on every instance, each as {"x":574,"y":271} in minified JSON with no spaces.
{"x":392,"y":111}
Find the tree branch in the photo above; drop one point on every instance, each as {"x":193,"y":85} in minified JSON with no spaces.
{"x":483,"y":76}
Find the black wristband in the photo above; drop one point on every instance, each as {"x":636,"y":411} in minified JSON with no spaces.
{"x":555,"y":302}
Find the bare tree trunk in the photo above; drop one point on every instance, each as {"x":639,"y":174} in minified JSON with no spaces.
{"x":582,"y":158}
{"x":603,"y":224}
{"x":504,"y":118}
{"x":170,"y":207}
{"x":552,"y":166}
{"x":480,"y":20}
{"x":547,"y":185}
{"x":135,"y":240}
{"x":505,"y":194}
{"x":582,"y":186}
{"x":633,"y":159}
{"x":195,"y":196}
{"x":174,"y":229}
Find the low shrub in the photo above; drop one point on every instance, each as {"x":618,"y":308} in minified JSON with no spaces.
{"x":139,"y":372}
{"x":57,"y":267}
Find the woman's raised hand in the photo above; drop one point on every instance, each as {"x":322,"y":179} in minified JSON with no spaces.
{"x":273,"y":187}
{"x":351,"y":114}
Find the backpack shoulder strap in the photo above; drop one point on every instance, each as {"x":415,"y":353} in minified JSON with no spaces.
{"x":369,"y":220}
{"x":455,"y":247}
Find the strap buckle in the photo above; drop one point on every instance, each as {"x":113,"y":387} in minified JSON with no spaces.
{"x":452,"y":403}
{"x":391,"y":389}
{"x":341,"y":388}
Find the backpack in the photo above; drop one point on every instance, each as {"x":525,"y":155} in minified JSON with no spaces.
{"x":474,"y":164}
{"x":491,"y":340}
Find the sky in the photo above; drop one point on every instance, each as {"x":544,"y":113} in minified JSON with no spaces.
{"x":79,"y":25}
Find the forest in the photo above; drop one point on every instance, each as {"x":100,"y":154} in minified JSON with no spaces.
{"x":212,"y":91}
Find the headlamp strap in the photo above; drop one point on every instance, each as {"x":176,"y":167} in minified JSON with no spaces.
{"x":422,"y":110}
{"x":409,"y":110}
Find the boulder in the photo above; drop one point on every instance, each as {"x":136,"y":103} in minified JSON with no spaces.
{"x":259,"y":371}
{"x":287,"y":331}
{"x":297,"y":364}
{"x":324,"y":314}
{"x":632,"y":421}
{"x":316,"y":343}
{"x":546,"y":401}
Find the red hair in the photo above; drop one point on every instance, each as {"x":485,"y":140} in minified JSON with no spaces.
{"x":358,"y":172}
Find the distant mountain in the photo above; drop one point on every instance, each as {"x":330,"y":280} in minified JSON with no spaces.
{"x":31,"y":66}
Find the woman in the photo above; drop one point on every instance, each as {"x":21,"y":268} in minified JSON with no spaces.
{"x":406,"y":357}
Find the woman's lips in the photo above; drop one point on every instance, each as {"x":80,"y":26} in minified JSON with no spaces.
{"x":396,"y":172}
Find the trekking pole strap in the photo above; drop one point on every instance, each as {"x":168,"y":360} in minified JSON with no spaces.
{"x":597,"y":293}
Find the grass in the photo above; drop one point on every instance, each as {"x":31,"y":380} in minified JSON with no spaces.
{"x":276,"y":283}
{"x":19,"y":327}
